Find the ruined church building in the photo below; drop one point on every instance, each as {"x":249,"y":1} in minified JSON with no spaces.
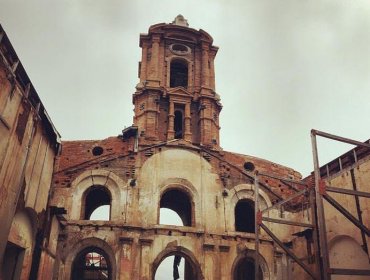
{"x":242,"y":217}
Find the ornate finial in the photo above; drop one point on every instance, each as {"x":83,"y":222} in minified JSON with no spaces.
{"x":180,"y":20}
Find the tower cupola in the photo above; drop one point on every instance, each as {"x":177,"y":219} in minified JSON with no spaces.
{"x":176,"y":98}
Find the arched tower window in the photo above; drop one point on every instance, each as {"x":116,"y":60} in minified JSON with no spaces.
{"x":91,"y":263}
{"x":246,"y":269}
{"x":178,"y":125}
{"x":179,"y":74}
{"x":244,"y":216}
{"x":96,"y":204}
{"x":179,"y":202}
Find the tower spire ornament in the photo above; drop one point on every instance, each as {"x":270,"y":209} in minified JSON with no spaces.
{"x":180,"y":20}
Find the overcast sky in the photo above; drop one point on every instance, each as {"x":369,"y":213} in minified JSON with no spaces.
{"x":283,"y":67}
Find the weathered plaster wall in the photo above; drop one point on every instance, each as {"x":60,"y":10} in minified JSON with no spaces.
{"x":346,"y":244}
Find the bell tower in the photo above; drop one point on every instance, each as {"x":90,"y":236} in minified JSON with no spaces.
{"x":176,"y":98}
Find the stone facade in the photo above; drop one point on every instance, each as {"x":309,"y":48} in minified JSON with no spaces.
{"x":169,"y":158}
{"x":28,"y":146}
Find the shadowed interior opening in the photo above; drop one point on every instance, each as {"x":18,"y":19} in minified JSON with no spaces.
{"x":91,"y":264}
{"x":179,"y":202}
{"x":95,"y":197}
{"x":245,"y":270}
{"x":244,"y":216}
{"x":178,"y":125}
{"x":13,"y":261}
{"x":179,"y":74}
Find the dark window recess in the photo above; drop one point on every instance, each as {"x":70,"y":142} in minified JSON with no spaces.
{"x":97,"y":151}
{"x":22,"y":123}
{"x":13,"y":261}
{"x":179,"y":48}
{"x":178,"y":125}
{"x":95,"y":197}
{"x":91,"y":263}
{"x":244,"y":216}
{"x":246,"y":270}
{"x":179,"y":74}
{"x":249,"y":166}
{"x":179,"y":202}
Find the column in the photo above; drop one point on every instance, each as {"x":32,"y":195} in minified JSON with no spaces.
{"x":205,"y":67}
{"x":153,"y":75}
{"x":187,"y":134}
{"x":127,"y":259}
{"x":144,"y":62}
{"x":171,"y":119}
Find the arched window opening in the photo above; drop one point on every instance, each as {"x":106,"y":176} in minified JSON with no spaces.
{"x":179,"y":202}
{"x":178,"y":125}
{"x":176,"y":267}
{"x":94,"y":198}
{"x":244,"y":216}
{"x":179,"y":74}
{"x":245,"y":270}
{"x":91,"y":264}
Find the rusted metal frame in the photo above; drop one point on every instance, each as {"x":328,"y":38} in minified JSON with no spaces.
{"x":288,"y":252}
{"x":346,"y":271}
{"x":257,"y":222}
{"x":286,"y":222}
{"x":359,"y":212}
{"x":355,"y":155}
{"x":278,"y":204}
{"x":339,"y":138}
{"x":321,"y":225}
{"x":315,"y":235}
{"x":347,"y":191}
{"x":348,"y":215}
{"x":282,"y":179}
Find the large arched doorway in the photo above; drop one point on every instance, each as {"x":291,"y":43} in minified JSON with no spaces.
{"x":179,"y":264}
{"x":96,"y":204}
{"x":244,"y":216}
{"x":91,"y":263}
{"x":178,"y":201}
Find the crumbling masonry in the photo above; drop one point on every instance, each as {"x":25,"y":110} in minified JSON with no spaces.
{"x":238,"y":212}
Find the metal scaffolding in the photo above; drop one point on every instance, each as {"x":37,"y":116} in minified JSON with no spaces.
{"x":312,"y":195}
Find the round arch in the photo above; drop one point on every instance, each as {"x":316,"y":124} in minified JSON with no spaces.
{"x":244,"y":192}
{"x":181,"y":60}
{"x":93,"y":244}
{"x":178,"y":251}
{"x":250,"y":255}
{"x":346,"y":252}
{"x":93,"y":198}
{"x":96,"y":177}
{"x":185,"y":187}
